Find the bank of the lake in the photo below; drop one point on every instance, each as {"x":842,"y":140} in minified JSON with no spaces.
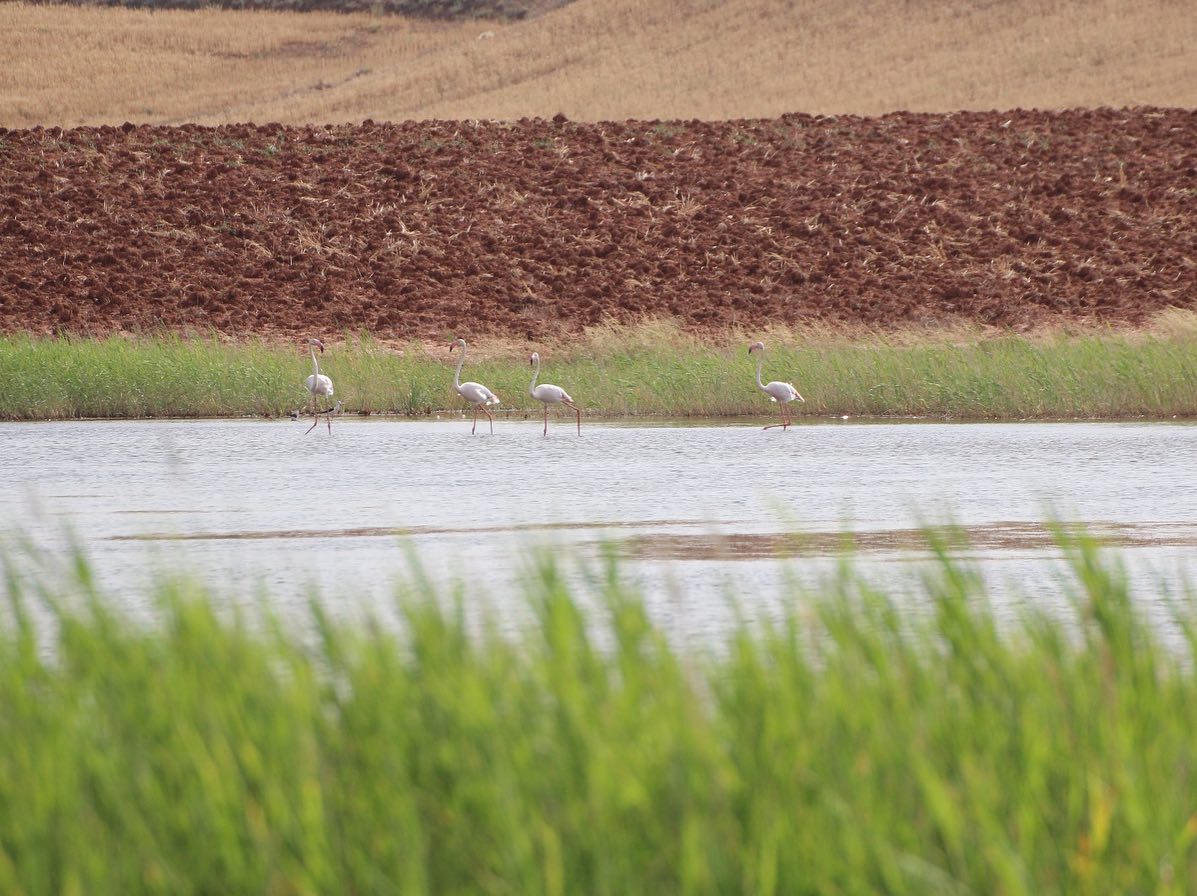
{"x":854,"y":746}
{"x":648,"y":371}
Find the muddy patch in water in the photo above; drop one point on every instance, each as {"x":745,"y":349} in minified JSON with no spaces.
{"x":996,"y":536}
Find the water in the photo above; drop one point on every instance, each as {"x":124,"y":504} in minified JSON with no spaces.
{"x":699,"y":511}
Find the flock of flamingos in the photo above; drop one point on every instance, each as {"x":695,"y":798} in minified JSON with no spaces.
{"x":321,"y":386}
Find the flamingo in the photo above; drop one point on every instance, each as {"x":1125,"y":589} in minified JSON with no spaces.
{"x":318,"y":384}
{"x":475,"y":393}
{"x":550,"y":394}
{"x":782,"y":393}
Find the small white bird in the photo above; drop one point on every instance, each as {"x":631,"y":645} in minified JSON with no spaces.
{"x":550,"y":394}
{"x":475,"y":393}
{"x":318,"y":384}
{"x":782,"y":393}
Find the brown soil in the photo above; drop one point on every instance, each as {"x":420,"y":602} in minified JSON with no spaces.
{"x":539,"y":228}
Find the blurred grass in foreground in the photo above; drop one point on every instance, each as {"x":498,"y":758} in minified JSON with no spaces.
{"x":654,"y":369}
{"x":855,"y":746}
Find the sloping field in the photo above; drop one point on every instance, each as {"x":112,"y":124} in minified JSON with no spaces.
{"x":544,"y":227}
{"x":595,"y":60}
{"x":423,"y":9}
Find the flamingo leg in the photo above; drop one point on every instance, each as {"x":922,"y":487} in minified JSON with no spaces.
{"x":475,"y":426}
{"x":546,"y":418}
{"x":784,"y":422}
{"x":328,"y":420}
{"x":491,"y":419}
{"x":315,"y":415}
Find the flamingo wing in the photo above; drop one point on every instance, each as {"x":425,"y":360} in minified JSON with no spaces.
{"x":783,"y":392}
{"x":550,"y":394}
{"x":476,"y":393}
{"x":319,"y":384}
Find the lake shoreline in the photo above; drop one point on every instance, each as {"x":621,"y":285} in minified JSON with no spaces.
{"x":641,"y":373}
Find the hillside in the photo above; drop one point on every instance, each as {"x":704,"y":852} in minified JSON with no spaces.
{"x":594,"y":60}
{"x":543,"y":227}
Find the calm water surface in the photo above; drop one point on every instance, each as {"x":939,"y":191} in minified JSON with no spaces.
{"x":698,"y":510}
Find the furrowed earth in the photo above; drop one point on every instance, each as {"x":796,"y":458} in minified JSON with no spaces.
{"x":540,"y":228}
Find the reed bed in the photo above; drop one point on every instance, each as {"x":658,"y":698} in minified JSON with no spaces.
{"x":654,"y":370}
{"x":853,"y":746}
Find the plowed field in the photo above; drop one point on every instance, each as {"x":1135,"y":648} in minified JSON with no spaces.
{"x":539,"y":228}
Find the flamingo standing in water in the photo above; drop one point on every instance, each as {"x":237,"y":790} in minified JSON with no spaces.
{"x":318,"y":384}
{"x":782,"y":393}
{"x":550,"y":394}
{"x":475,"y":393}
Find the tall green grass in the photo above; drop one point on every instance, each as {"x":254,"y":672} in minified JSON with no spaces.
{"x":854,"y":746}
{"x":648,"y":371}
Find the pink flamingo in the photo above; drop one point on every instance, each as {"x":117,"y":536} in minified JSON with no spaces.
{"x":318,"y":384}
{"x":550,"y":394}
{"x":782,"y":393}
{"x":475,"y":393}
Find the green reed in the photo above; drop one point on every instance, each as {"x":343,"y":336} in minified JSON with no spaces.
{"x":1090,"y":375}
{"x":863,"y":743}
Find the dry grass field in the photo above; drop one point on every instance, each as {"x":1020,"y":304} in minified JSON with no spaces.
{"x":594,"y":60}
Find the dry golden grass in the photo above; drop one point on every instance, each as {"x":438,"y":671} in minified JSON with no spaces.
{"x":663,"y":335}
{"x":595,"y":59}
{"x":91,"y":65}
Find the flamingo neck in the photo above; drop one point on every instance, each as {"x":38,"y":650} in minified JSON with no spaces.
{"x":535,"y":377}
{"x":315,"y":363}
{"x":759,"y":364}
{"x":457,"y":374}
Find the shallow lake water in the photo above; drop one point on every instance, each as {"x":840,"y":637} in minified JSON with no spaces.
{"x":699,"y":512}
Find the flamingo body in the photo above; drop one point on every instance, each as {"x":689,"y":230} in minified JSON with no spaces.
{"x":550,"y":394}
{"x":782,"y":393}
{"x":318,"y":384}
{"x":475,"y":393}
